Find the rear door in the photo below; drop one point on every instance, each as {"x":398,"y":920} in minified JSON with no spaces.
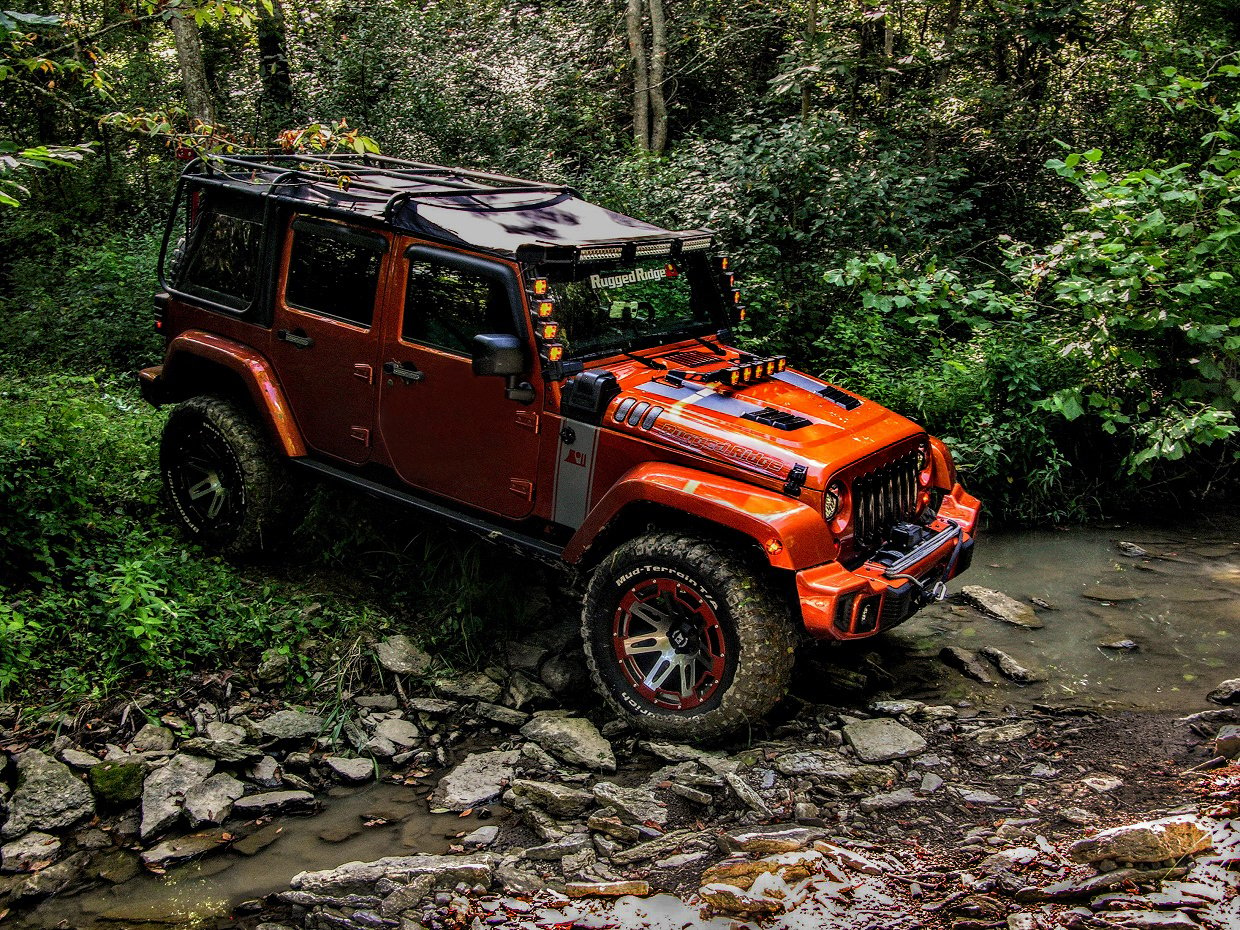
{"x":447,"y":430}
{"x":326,"y":344}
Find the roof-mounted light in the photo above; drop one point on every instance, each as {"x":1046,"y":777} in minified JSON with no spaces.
{"x":540,"y":286}
{"x":695,"y":245}
{"x":600,"y":253}
{"x":544,"y":308}
{"x":647,"y":249}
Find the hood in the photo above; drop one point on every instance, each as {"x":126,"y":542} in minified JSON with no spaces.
{"x":769,"y":426}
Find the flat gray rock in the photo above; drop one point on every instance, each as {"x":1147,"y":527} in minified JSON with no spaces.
{"x":225,"y":732}
{"x":883,"y":739}
{"x":212,"y":801}
{"x":274,"y":802}
{"x":472,"y":687}
{"x":399,"y":654}
{"x":163,"y":792}
{"x":350,"y":770}
{"x":181,"y":849}
{"x":34,"y":850}
{"x":574,"y":740}
{"x":557,"y":800}
{"x":291,"y":725}
{"x":635,"y":805}
{"x":1000,"y":606}
{"x":479,"y":779}
{"x":48,"y":796}
{"x":831,"y":765}
{"x":223,"y":750}
{"x":400,"y":733}
{"x":890,"y":800}
{"x":153,"y":738}
{"x":360,"y":877}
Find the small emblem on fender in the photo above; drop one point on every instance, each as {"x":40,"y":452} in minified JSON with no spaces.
{"x":576,"y":457}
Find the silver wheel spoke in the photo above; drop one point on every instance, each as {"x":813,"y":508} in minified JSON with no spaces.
{"x":688,"y":665}
{"x":209,"y":485}
{"x":651,"y":615}
{"x":662,"y":670}
{"x":642,"y":645}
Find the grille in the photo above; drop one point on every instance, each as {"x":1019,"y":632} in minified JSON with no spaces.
{"x":691,"y":358}
{"x":882,"y":497}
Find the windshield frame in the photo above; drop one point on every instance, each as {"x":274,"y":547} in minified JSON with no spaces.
{"x":705,"y":292}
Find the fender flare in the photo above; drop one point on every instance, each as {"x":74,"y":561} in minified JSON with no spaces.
{"x":765,"y":516}
{"x":255,"y":373}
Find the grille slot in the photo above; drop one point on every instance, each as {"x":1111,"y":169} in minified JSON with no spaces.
{"x":883,"y":497}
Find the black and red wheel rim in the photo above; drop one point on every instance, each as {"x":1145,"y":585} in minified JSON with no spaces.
{"x":669,"y":644}
{"x":204,"y":477}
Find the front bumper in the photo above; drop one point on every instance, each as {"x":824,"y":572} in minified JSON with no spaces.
{"x":837,"y":603}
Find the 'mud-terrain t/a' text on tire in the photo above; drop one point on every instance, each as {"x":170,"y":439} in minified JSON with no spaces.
{"x":520,"y":363}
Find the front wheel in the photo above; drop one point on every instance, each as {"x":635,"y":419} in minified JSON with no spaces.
{"x":225,"y":482}
{"x":684,"y":638}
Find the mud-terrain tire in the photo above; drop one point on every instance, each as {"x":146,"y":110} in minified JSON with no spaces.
{"x":672,"y":612}
{"x":224,"y":482}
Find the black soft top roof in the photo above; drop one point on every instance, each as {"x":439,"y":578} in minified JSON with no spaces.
{"x":505,"y":215}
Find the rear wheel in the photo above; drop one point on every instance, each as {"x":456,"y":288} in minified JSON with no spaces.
{"x":684,"y":638}
{"x":226,"y":484}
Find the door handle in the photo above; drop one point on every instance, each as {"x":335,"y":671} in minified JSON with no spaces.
{"x":299,"y":339}
{"x":406,"y":370}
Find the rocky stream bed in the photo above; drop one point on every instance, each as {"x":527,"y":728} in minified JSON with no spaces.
{"x":509,"y":798}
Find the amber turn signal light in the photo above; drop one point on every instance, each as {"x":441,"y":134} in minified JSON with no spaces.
{"x":540,"y":286}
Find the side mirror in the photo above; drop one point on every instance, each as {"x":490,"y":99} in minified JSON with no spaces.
{"x":496,"y":354}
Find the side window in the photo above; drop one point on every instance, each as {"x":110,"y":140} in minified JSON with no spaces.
{"x":446,"y":307}
{"x":333,"y":277}
{"x":222,"y":265}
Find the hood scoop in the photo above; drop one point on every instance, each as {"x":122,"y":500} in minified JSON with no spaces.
{"x":780,"y":419}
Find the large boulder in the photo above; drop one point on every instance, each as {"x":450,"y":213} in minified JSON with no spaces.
{"x":556,"y":799}
{"x":1227,"y":692}
{"x":163,"y":795}
{"x":1151,"y":841}
{"x":29,"y":853}
{"x":48,"y":796}
{"x":635,"y":805}
{"x":574,"y":740}
{"x":478,"y":779}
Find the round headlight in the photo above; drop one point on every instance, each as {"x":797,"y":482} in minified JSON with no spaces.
{"x":831,"y":501}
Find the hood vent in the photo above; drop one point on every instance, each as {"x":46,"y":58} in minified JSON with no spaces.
{"x":780,"y":419}
{"x":836,"y":396}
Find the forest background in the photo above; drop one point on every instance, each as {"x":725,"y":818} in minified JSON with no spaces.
{"x":1014,"y":221}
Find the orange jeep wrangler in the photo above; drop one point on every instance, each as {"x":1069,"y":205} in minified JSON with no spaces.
{"x":547,"y":373}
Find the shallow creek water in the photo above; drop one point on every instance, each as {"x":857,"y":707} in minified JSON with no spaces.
{"x":204,"y":893}
{"x":1180,"y":606}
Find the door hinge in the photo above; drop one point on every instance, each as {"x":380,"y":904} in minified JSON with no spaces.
{"x":521,"y":487}
{"x":361,"y":434}
{"x":365,"y":372}
{"x":528,"y":420}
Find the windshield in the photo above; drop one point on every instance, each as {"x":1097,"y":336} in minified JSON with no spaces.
{"x":607,"y":308}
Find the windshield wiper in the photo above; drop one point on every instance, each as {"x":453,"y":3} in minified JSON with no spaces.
{"x":710,"y":345}
{"x":649,"y":363}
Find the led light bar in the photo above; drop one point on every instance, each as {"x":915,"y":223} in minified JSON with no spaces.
{"x":695,"y":245}
{"x":601,"y":253}
{"x":737,"y":375}
{"x":646,"y":249}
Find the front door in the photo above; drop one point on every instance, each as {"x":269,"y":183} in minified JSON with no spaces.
{"x":326,"y":346}
{"x":447,"y":430}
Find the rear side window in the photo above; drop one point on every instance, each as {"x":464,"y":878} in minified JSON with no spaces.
{"x":333,"y":275}
{"x":223,"y":261}
{"x":446,"y":307}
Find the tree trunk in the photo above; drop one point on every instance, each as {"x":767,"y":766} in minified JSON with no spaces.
{"x":274,"y":68}
{"x":811,"y":38}
{"x":641,"y":75}
{"x":193,"y":72}
{"x":889,"y":44}
{"x":658,"y":70}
